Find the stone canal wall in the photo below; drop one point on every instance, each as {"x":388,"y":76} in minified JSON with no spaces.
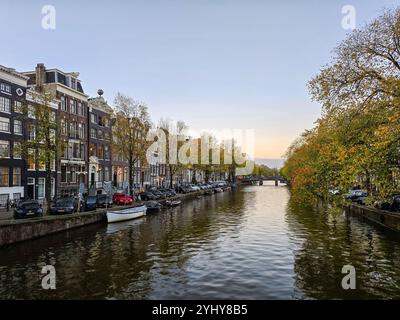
{"x":12,"y":231}
{"x":19,"y":230}
{"x":387,"y":219}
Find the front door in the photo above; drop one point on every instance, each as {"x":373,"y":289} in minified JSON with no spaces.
{"x":31,"y":191}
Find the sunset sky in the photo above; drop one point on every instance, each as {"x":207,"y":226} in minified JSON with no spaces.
{"x":213,"y":64}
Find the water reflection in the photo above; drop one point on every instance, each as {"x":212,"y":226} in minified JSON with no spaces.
{"x":253,"y":243}
{"x":330,"y":242}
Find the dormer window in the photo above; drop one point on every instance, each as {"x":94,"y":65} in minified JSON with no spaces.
{"x":73,"y":83}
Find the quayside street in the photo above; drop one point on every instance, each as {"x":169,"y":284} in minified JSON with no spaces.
{"x":252,"y":243}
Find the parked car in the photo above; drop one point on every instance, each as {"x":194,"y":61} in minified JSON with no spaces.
{"x":184,"y":189}
{"x":90,"y":203}
{"x":64,"y":205}
{"x":147,"y":195}
{"x":357,"y":196}
{"x":28,"y":209}
{"x":194,"y":187}
{"x":158,"y":194}
{"x":104,"y":201}
{"x":120,"y":198}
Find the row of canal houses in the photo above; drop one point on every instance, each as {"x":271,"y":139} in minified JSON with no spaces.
{"x":87,"y":164}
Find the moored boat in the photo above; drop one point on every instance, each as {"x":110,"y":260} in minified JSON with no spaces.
{"x":153,"y":206}
{"x":126,"y":214}
{"x":172,"y":203}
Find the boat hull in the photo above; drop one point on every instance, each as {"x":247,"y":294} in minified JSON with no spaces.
{"x":127,"y":214}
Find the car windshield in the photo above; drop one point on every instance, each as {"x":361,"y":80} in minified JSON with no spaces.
{"x":64,"y":203}
{"x":120,"y":195}
{"x":29,"y":205}
{"x":102,"y":197}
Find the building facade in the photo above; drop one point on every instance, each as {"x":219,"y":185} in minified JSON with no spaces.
{"x":13,"y":87}
{"x":100,"y":144}
{"x":72,"y":160}
{"x":35,"y":170}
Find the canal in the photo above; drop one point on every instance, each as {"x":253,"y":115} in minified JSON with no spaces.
{"x":253,"y":243}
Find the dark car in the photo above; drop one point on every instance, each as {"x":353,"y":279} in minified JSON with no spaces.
{"x":90,"y":203}
{"x":64,"y":206}
{"x":147,"y":195}
{"x":104,"y":201}
{"x":184,"y":189}
{"x":159,"y":194}
{"x":357,"y":196}
{"x":28,"y":209}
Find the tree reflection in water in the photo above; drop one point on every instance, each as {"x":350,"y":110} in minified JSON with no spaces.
{"x":329,"y":240}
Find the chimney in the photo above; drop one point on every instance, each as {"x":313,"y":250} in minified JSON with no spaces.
{"x":40,"y":75}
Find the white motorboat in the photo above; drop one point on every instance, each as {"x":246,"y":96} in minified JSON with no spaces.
{"x":126,"y":214}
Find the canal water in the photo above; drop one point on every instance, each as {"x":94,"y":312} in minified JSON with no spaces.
{"x":252,"y":243}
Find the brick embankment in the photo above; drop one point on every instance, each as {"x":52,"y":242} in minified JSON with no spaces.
{"x":384,"y":218}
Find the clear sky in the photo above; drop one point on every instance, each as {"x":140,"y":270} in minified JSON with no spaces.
{"x":212,"y":63}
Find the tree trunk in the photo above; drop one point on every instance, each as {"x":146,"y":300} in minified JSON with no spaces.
{"x":47,"y":190}
{"x":131,"y":169}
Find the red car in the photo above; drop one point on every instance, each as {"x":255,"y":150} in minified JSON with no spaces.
{"x":120,"y":198}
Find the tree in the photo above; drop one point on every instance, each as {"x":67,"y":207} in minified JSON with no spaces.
{"x":357,"y":139}
{"x":132,"y":123}
{"x":44,"y":141}
{"x":175,"y":136}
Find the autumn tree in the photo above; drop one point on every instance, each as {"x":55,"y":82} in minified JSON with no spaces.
{"x":132,"y":123}
{"x":43,"y":144}
{"x":175,"y":136}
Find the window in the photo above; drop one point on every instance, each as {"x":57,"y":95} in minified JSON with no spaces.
{"x":73,"y":174}
{"x":17,"y":127}
{"x":106,"y":122}
{"x":72,"y":106}
{"x":92,"y":150}
{"x":73,"y":83}
{"x":81,"y":131}
{"x":93,"y":118}
{"x":4,"y":124}
{"x":17,"y":150}
{"x":83,"y":110}
{"x":100,"y":152}
{"x":31,"y":112}
{"x":72,"y":129}
{"x":41,"y":182}
{"x":4,"y":149}
{"x":4,"y":176}
{"x":31,"y":159}
{"x":18,"y":107}
{"x":5,"y":104}
{"x":63,"y":127}
{"x":31,"y":132}
{"x":5,"y":88}
{"x":63,"y":104}
{"x":3,"y":200}
{"x":63,"y":174}
{"x":106,"y":153}
{"x":41,"y":162}
{"x":16,"y":176}
{"x":93,"y":133}
{"x":106,"y":174}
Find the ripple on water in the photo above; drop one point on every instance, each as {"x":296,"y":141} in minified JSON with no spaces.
{"x":250,"y":244}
